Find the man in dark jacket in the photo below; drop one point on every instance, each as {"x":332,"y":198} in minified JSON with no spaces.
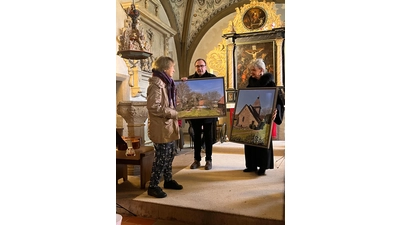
{"x":202,"y":126}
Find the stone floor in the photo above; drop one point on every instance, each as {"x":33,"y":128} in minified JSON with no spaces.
{"x":127,"y":191}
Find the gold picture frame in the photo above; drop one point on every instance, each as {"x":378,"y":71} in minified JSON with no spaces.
{"x":254,"y":18}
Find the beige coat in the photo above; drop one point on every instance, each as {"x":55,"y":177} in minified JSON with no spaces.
{"x":163,"y":119}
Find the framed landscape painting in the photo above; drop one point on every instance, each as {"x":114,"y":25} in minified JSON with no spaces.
{"x":252,"y":121}
{"x":200,"y":98}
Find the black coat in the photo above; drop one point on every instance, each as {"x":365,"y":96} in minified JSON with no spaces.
{"x":206,"y":74}
{"x":257,"y":156}
{"x":199,"y":122}
{"x":266,"y":80}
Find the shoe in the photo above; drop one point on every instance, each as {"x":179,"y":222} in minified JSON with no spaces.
{"x":208,"y":165}
{"x":261,"y":172}
{"x":172,"y":184}
{"x":195,"y":165}
{"x":249,"y":170}
{"x":156,"y":192}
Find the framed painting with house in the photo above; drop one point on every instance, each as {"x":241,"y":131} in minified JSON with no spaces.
{"x":200,"y":98}
{"x":252,"y":120}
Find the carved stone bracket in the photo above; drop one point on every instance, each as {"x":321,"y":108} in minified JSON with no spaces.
{"x":134,"y":113}
{"x":125,"y":109}
{"x":140,"y":111}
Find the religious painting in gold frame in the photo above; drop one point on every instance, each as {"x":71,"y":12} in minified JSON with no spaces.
{"x":248,"y":51}
{"x":254,"y":18}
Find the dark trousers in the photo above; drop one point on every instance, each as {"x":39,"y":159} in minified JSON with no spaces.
{"x":259,"y":157}
{"x":208,"y":139}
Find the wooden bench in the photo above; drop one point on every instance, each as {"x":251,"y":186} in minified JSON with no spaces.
{"x":144,"y":157}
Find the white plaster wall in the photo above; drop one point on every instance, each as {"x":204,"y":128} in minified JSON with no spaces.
{"x":210,"y":40}
{"x":172,"y":50}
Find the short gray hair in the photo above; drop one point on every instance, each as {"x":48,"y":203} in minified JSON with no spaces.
{"x":257,"y":63}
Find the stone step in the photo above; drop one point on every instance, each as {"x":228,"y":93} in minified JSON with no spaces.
{"x":237,"y":148}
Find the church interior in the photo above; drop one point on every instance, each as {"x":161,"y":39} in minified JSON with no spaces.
{"x":333,"y":164}
{"x":228,"y":35}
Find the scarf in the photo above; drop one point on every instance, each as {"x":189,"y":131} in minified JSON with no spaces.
{"x":169,"y":82}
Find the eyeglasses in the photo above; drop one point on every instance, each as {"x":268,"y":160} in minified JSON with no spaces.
{"x":199,"y":66}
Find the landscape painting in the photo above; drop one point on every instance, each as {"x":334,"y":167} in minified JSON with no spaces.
{"x":200,"y":98}
{"x":252,"y":122}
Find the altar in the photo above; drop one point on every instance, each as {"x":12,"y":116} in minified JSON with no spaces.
{"x":255,"y":32}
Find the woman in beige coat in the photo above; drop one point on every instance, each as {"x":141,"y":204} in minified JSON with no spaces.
{"x":163,"y":128}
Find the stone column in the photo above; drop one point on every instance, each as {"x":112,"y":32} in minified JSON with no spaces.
{"x":279,"y":82}
{"x":135,"y":114}
{"x":230,"y":73}
{"x":279,"y":42}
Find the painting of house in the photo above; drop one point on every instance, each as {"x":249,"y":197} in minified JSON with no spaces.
{"x":200,"y":98}
{"x":252,"y":120}
{"x":221,"y":104}
{"x":250,"y":116}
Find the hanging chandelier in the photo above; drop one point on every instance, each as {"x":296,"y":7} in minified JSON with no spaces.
{"x":133,"y":44}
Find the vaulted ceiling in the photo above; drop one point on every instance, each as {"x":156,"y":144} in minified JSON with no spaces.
{"x":192,"y":18}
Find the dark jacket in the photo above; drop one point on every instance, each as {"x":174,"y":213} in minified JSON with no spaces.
{"x":266,"y":80}
{"x":257,"y":156}
{"x":206,"y":74}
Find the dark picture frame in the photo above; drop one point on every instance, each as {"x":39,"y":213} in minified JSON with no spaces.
{"x":201,"y":98}
{"x":231,"y":96}
{"x":252,"y":119}
{"x":245,"y":52}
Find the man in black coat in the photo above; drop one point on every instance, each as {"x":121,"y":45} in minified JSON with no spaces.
{"x":202,"y":126}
